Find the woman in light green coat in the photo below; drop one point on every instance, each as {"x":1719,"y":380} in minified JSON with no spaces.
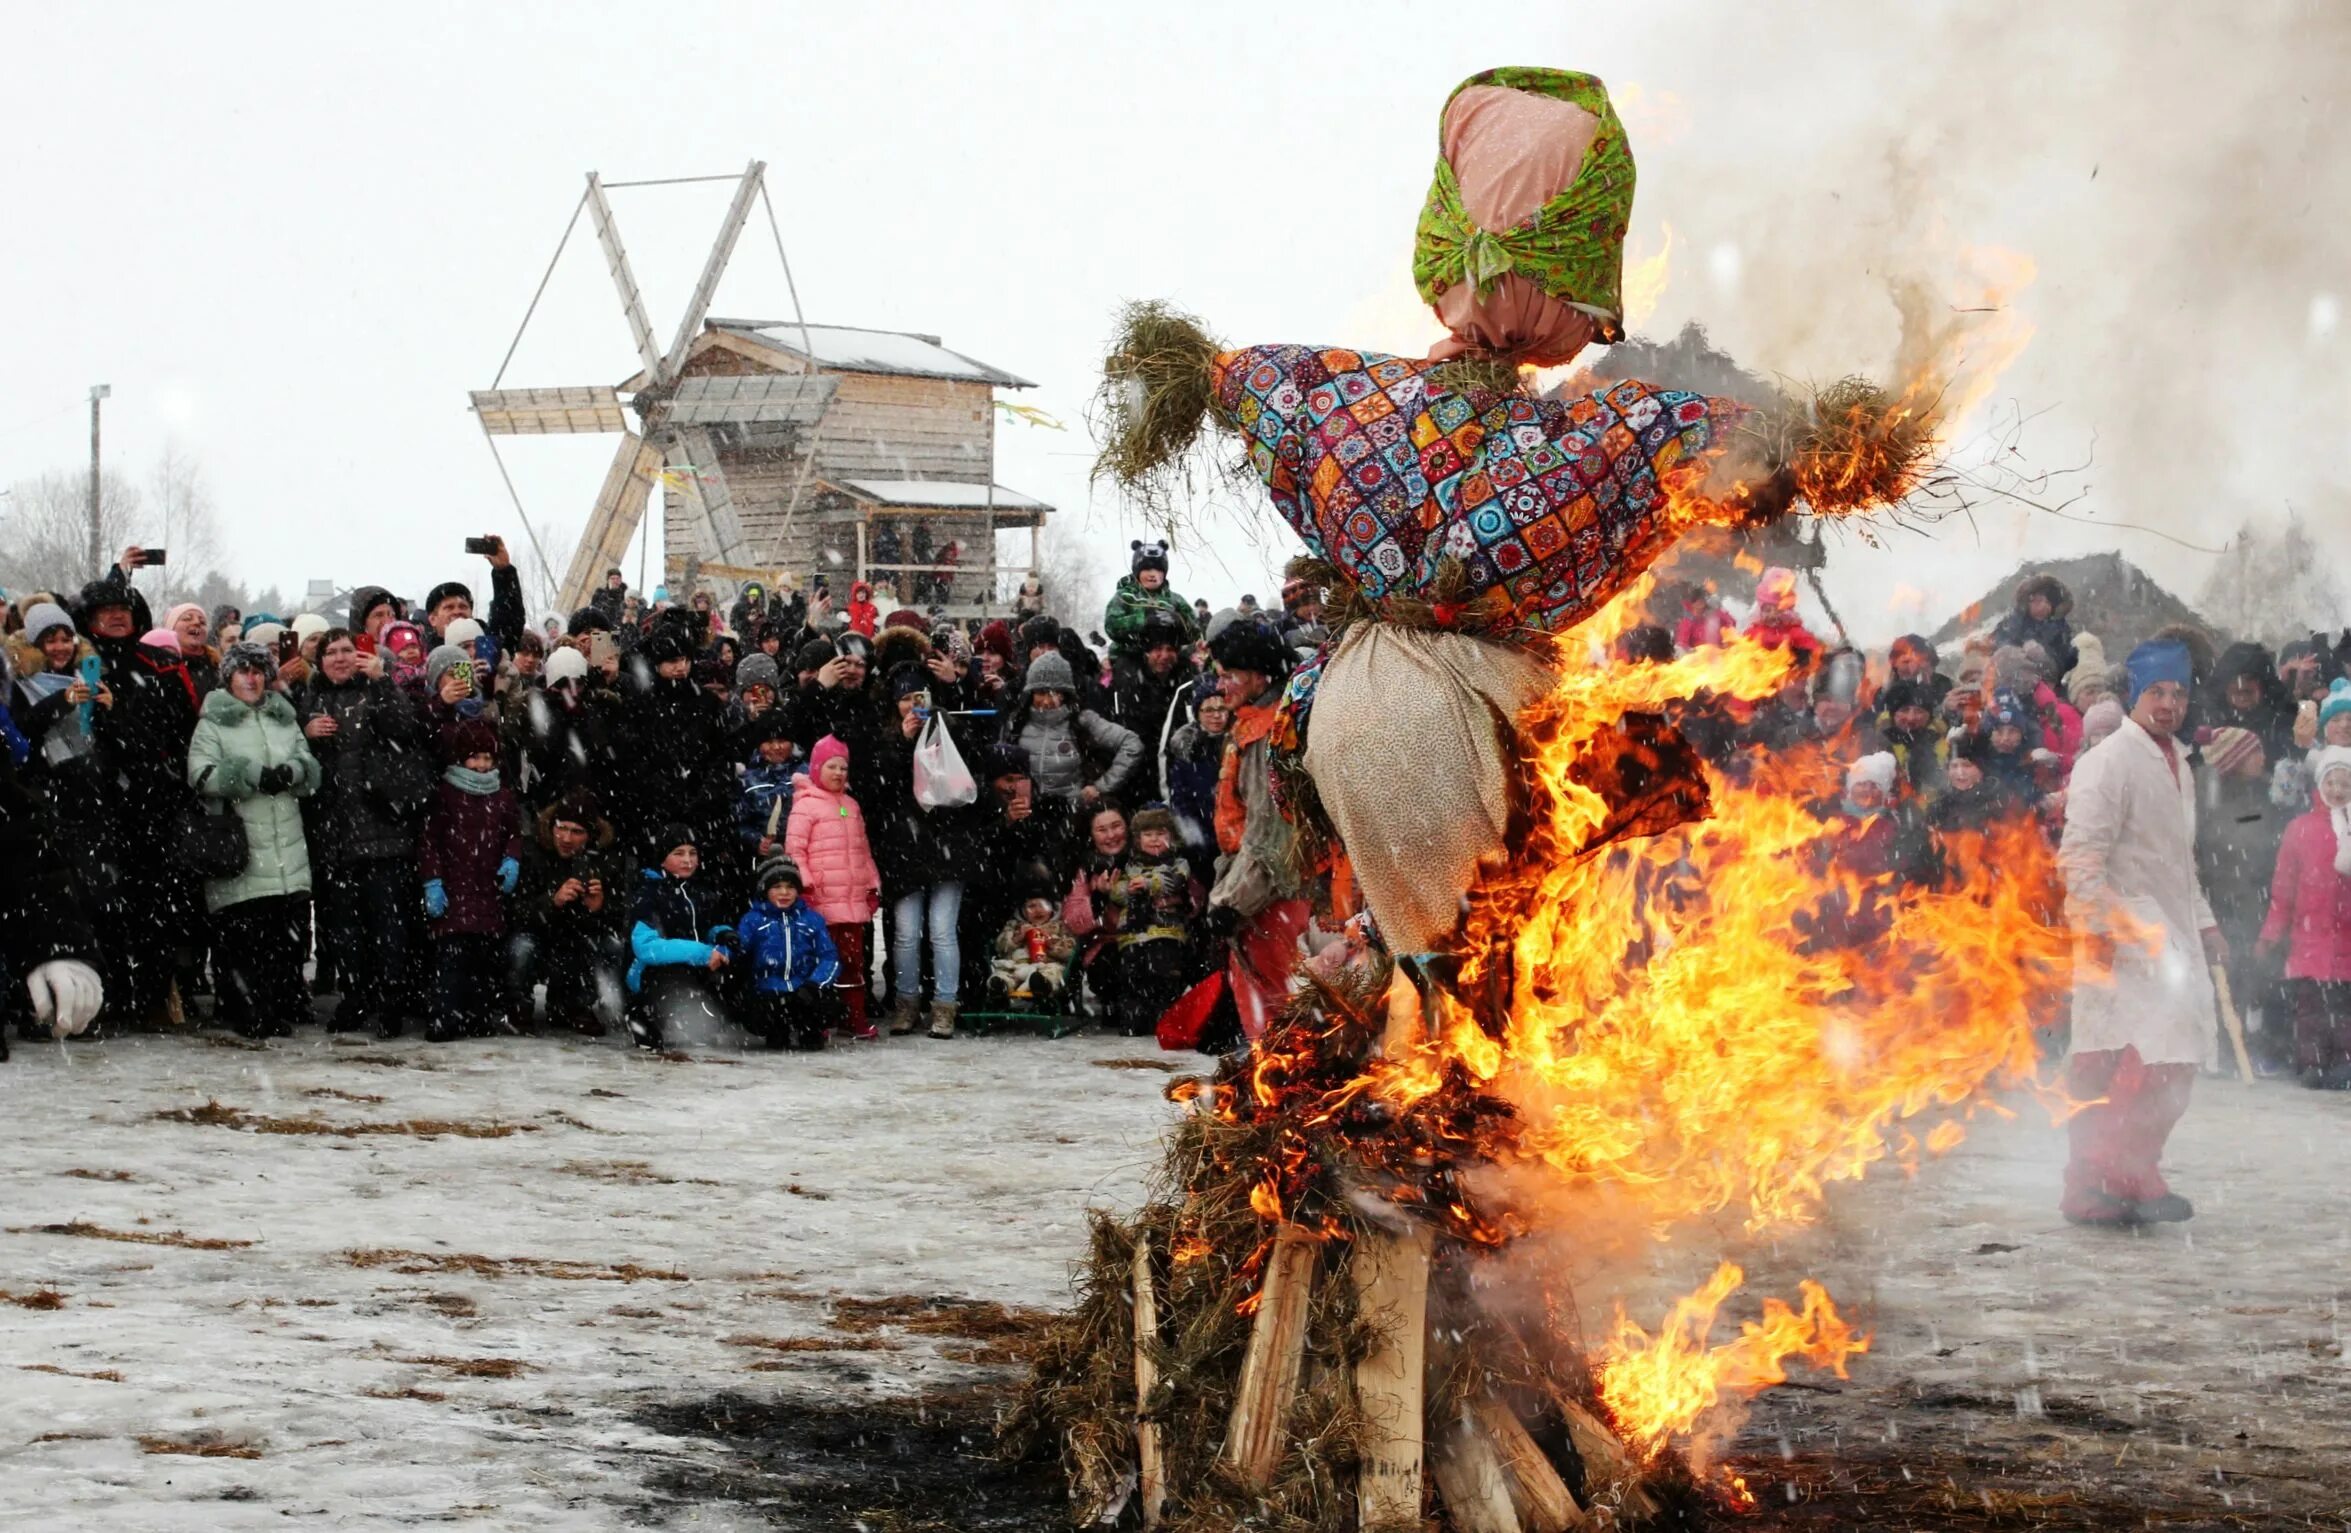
{"x":248,"y":753}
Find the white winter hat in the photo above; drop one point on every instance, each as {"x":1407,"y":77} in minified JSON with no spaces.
{"x":1878,"y":768}
{"x":461,"y":632}
{"x":264,"y":633}
{"x":310,"y":625}
{"x":566,"y":664}
{"x":2332,"y":758}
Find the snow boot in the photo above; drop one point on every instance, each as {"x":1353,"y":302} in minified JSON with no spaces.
{"x":942,"y":1019}
{"x":904,"y":1010}
{"x":2098,"y":1209}
{"x":2170,"y":1208}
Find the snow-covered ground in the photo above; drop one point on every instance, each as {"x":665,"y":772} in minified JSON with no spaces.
{"x":470,"y":1329}
{"x":757,"y":1186}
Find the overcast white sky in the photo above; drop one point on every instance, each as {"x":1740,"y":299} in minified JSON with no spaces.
{"x":293,"y":237}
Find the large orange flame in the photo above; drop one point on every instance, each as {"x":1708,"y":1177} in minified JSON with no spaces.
{"x":1656,"y":1383}
{"x":1726,"y":1017}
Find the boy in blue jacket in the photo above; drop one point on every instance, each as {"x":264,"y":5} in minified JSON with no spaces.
{"x":677,"y":953}
{"x":792,"y":962}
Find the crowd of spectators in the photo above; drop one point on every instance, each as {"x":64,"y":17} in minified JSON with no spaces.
{"x":646,"y":809}
{"x":816,"y":823}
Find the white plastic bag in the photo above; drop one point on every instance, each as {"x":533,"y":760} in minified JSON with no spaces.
{"x":941,"y":780}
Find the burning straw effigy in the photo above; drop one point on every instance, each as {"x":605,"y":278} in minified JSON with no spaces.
{"x":1608,"y":988}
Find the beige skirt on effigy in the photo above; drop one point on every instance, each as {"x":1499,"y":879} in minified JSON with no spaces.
{"x":1406,"y":746}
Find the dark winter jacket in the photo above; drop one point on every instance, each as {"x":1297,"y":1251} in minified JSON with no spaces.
{"x":1143,"y":703}
{"x":913,"y":846}
{"x":557,"y":742}
{"x":2053,"y":633}
{"x":376,"y":771}
{"x":1194,"y":759}
{"x":852,"y":716}
{"x":1131,"y":607}
{"x":675,"y":767}
{"x":671,"y":926}
{"x":2271,"y":718}
{"x":787,"y":949}
{"x":466,"y":836}
{"x":43,"y":914}
{"x":544,"y":870}
{"x":764,"y":809}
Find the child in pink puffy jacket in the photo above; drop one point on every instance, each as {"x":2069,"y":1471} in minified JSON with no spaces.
{"x":826,"y":837}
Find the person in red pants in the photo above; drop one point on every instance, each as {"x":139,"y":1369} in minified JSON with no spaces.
{"x":2143,"y":1015}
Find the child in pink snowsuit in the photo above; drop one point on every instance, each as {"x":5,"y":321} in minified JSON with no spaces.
{"x":2310,"y":913}
{"x":826,"y":837}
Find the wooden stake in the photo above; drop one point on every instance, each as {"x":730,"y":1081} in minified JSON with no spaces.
{"x":1259,"y":1430}
{"x":1470,"y":1476}
{"x":1543,"y":1500}
{"x":1152,"y":1466}
{"x":1609,"y":1466}
{"x":2235,"y":1024}
{"x":1391,"y":1273}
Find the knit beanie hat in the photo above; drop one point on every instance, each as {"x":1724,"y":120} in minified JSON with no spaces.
{"x":2085,"y":685}
{"x":2328,"y":759}
{"x":854,"y":646}
{"x":996,"y":639}
{"x":672,"y":836}
{"x":2101,"y":719}
{"x":757,"y":670}
{"x":779,"y":870}
{"x":1776,"y":589}
{"x":171,"y":615}
{"x":2234,"y":752}
{"x":161,"y":638}
{"x":265,"y":631}
{"x":908,"y":678}
{"x":472,"y":737}
{"x":309,"y":625}
{"x":576,"y":807}
{"x":566,"y":664}
{"x":1906,"y":694}
{"x":1878,"y":767}
{"x":1147,"y":556}
{"x":665,"y":644}
{"x":814,"y":654}
{"x":2162,"y":660}
{"x":1050,"y":673}
{"x":399,"y":636}
{"x":437,"y":664}
{"x":462,"y":630}
{"x":2338,"y":698}
{"x":826,"y":750}
{"x":42,"y":616}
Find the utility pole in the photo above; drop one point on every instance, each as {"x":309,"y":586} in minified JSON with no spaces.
{"x":97,"y":565}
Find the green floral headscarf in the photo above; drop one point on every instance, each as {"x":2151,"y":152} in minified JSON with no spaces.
{"x":1573,"y":249}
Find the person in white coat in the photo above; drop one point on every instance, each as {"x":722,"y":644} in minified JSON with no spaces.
{"x":2143,"y":1014}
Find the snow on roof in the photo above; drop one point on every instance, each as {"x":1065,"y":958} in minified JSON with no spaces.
{"x":942,"y":494}
{"x":873,"y":351}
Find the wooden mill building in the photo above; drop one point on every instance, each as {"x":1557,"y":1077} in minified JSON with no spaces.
{"x":894,"y":479}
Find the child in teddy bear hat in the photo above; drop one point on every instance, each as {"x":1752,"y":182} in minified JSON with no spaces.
{"x":1143,"y":591}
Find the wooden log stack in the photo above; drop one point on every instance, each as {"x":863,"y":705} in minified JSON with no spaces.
{"x":1469,"y":1467}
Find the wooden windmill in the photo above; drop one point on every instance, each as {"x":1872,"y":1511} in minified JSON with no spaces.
{"x":785,"y":444}
{"x":673,"y":413}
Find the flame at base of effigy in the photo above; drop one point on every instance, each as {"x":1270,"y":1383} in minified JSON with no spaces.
{"x":1688,"y":997}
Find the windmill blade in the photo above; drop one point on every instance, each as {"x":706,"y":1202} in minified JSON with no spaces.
{"x":721,"y":250}
{"x":752,"y":400}
{"x":693,"y":462}
{"x":620,"y":506}
{"x":549,"y":412}
{"x":631,"y":302}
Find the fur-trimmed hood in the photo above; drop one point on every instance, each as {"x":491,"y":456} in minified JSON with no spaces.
{"x":2060,"y":599}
